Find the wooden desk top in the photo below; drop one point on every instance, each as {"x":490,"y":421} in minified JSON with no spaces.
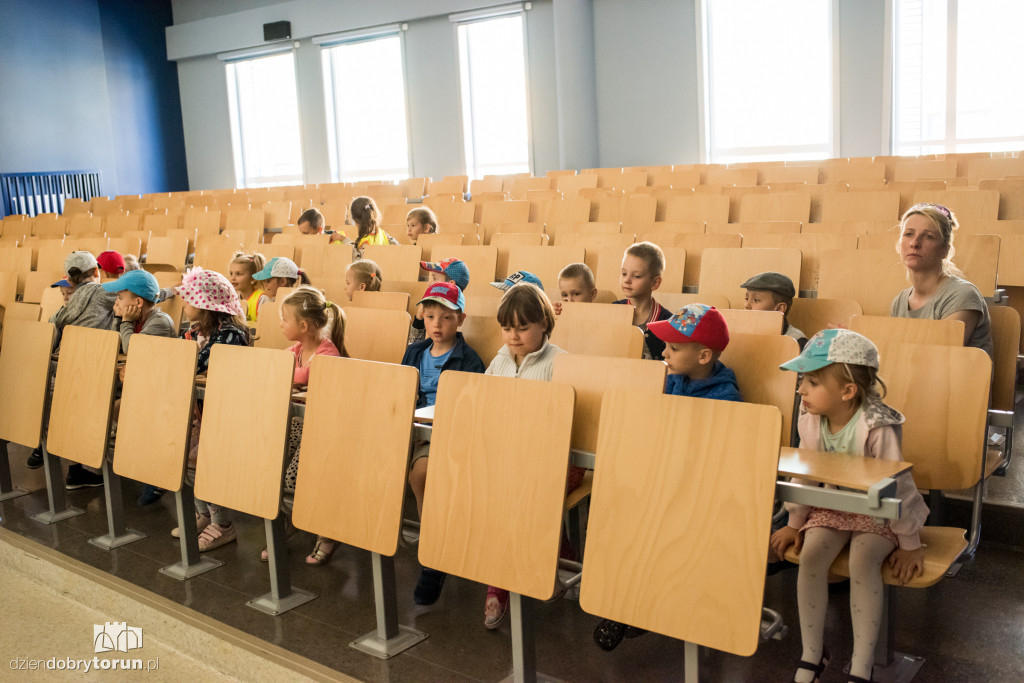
{"x":838,"y":469}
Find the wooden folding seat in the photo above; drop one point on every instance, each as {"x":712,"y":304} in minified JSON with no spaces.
{"x":38,"y":281}
{"x":268,"y":326}
{"x":871,"y":277}
{"x":400,"y":262}
{"x":51,"y":257}
{"x":395,"y":214}
{"x":304,"y":243}
{"x":853,"y":172}
{"x":676,"y":178}
{"x":810,"y":245}
{"x":412,"y":189}
{"x":215,"y":253}
{"x":628,"y":181}
{"x":741,"y":177}
{"x":480,"y":260}
{"x":483,"y":334}
{"x":544,"y":262}
{"x":85,"y":225}
{"x":504,"y":242}
{"x":384,"y":301}
{"x":570,"y":186}
{"x":520,"y":186}
{"x":488,"y":230}
{"x":860,"y":206}
{"x":161,"y":223}
{"x":495,"y":214}
{"x":448,"y":186}
{"x":887,"y":333}
{"x":276,"y":214}
{"x":724,"y":270}
{"x":702,"y":208}
{"x":456,"y":213}
{"x":485,"y":184}
{"x":753,"y":322}
{"x":376,"y":334}
{"x":776,"y":207}
{"x":734,"y":447}
{"x":746,"y":228}
{"x":246,"y":239}
{"x":50,"y":226}
{"x":924,"y":170}
{"x":788,"y":174}
{"x":168,"y":251}
{"x":428,"y":241}
{"x":580,"y":336}
{"x":244,"y":218}
{"x":694,"y":246}
{"x":814,"y":315}
{"x":965,"y":204}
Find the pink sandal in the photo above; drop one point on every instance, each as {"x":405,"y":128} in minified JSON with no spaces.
{"x":495,"y":607}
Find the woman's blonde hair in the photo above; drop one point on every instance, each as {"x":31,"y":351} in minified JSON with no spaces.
{"x":366,"y":272}
{"x":943,"y":219}
{"x":254,"y":262}
{"x":524,"y":304}
{"x":325,"y":316}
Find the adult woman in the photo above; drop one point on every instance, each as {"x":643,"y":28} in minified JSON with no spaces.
{"x":937,"y":292}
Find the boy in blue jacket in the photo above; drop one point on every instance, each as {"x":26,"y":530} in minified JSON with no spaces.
{"x":694,"y":338}
{"x":443,"y":349}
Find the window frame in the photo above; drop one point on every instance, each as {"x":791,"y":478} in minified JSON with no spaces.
{"x":230,"y":59}
{"x":704,"y":117}
{"x":480,"y":16}
{"x":335,"y":40}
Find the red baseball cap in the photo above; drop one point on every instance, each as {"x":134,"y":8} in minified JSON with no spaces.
{"x":693,"y":323}
{"x":111,"y":261}
{"x":447,"y":294}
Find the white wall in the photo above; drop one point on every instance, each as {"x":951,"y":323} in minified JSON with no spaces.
{"x":611,"y":83}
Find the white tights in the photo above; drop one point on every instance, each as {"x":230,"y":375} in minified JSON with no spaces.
{"x":867,"y":552}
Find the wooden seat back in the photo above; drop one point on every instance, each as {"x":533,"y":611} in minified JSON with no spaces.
{"x":397,"y":262}
{"x":544,"y":262}
{"x":268,"y":327}
{"x":591,"y":377}
{"x":483,"y":333}
{"x":493,"y":513}
{"x":871,"y":277}
{"x":943,"y":391}
{"x":367,"y":460}
{"x":413,"y":288}
{"x":376,"y":334}
{"x":673,"y":301}
{"x":596,"y":314}
{"x":37,"y":282}
{"x":752,"y":322}
{"x":887,"y":332}
{"x":755,"y":359}
{"x":242,"y":468}
{"x":428,"y":241}
{"x":385,"y":301}
{"x":814,"y":315}
{"x":670,"y":458}
{"x":482,"y":262}
{"x":83,"y":395}
{"x":168,"y":251}
{"x":811,"y":246}
{"x":156,"y":411}
{"x":724,"y":270}
{"x":25,"y":372}
{"x":506,"y":241}
{"x":780,"y":206}
{"x":51,"y":301}
{"x":1005,"y":341}
{"x":22,"y":311}
{"x":622,"y":340}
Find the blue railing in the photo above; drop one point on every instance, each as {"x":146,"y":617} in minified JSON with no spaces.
{"x":35,"y":193}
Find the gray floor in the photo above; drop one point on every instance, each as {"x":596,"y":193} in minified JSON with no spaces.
{"x":968,"y":627}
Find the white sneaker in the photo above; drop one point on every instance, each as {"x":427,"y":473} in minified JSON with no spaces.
{"x":215,"y":535}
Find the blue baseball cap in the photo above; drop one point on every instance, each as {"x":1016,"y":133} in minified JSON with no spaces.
{"x":447,"y":294}
{"x":834,"y":346}
{"x":454,"y":269}
{"x":61,"y":283}
{"x":138,"y":282}
{"x":279,"y":266}
{"x":516,"y":278}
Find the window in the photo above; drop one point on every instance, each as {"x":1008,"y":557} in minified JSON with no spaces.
{"x":263,"y":102}
{"x":958,"y":66}
{"x":492,"y":79}
{"x":364,"y":87}
{"x":768,"y":81}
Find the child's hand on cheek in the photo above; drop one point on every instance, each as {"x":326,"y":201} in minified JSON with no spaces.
{"x":557,"y":305}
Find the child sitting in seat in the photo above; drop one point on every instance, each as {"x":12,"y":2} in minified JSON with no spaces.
{"x":88,"y":305}
{"x":443,"y":307}
{"x":527,"y":320}
{"x":842,"y":411}
{"x":642,"y":266}
{"x":216,"y":316}
{"x":135,"y":309}
{"x":420,"y":221}
{"x":771,"y":291}
{"x":317,"y":326}
{"x":311,"y":222}
{"x":448,"y":270}
{"x":367,"y":218}
{"x":575,"y":283}
{"x":112,"y":263}
{"x":694,"y":338}
{"x":280,"y":272}
{"x":242,"y":274}
{"x":362,"y":276}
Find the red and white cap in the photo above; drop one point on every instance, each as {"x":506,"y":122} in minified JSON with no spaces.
{"x":210,"y":291}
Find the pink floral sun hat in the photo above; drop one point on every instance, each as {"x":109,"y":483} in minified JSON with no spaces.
{"x":210,"y":291}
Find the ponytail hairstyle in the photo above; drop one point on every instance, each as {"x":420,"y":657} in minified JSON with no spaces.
{"x":324,"y":316}
{"x":943,"y":219}
{"x":366,"y":272}
{"x":254,"y":262}
{"x":302,"y":279}
{"x":425,"y":216}
{"x":365,"y":215}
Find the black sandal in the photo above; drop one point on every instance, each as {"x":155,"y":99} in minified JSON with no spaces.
{"x":818,"y":668}
{"x":609,"y":634}
{"x":857,"y":679}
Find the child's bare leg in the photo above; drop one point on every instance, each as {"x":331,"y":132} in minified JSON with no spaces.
{"x":821,"y":546}
{"x":418,"y":482}
{"x":867,"y":552}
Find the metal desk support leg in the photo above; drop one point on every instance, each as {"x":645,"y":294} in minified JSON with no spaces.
{"x":118,"y":533}
{"x":192,"y":563}
{"x":282,"y":596}
{"x":59,"y":509}
{"x":691,"y":662}
{"x":7,"y":488}
{"x":524,"y":656}
{"x":891,"y":666}
{"x":390,"y":637}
